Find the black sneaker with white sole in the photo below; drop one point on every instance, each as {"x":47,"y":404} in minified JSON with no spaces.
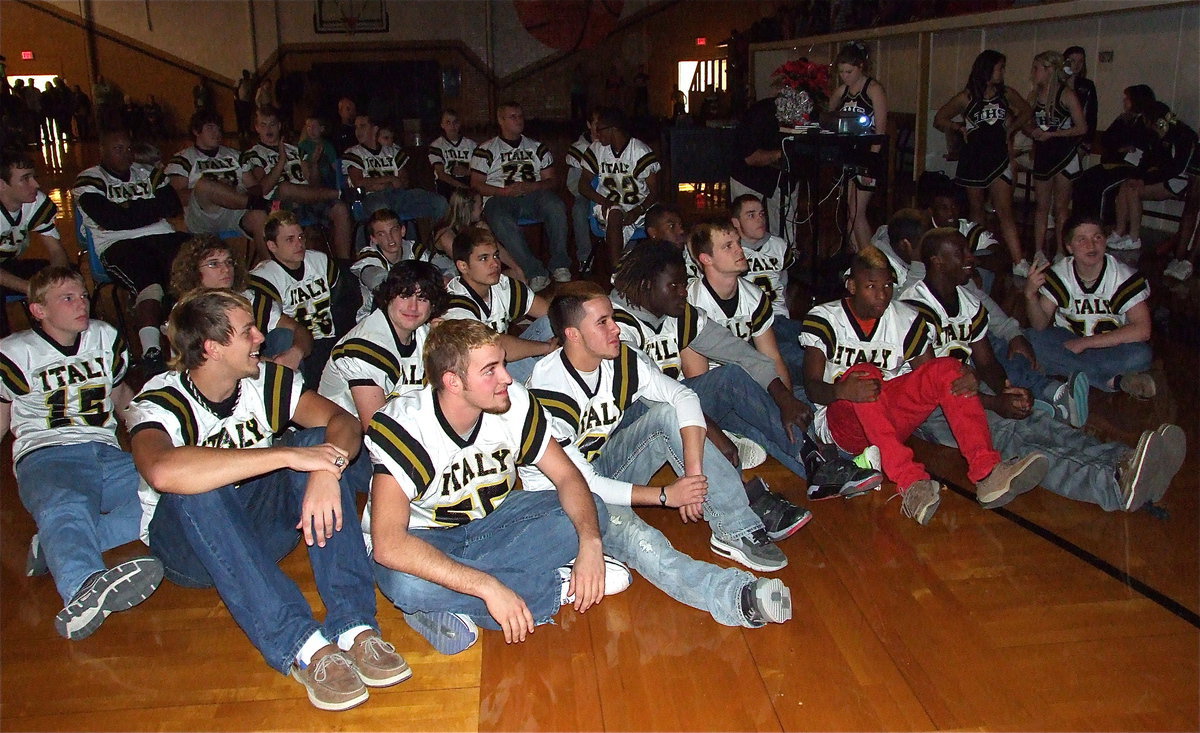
{"x":766,"y":601}
{"x":781,"y":517}
{"x":755,"y":551}
{"x":842,"y":477}
{"x":117,"y":589}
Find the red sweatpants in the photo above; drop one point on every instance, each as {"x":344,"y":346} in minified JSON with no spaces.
{"x":904,"y":403}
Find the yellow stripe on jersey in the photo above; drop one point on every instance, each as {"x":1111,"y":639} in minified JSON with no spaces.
{"x":369,"y":352}
{"x":622,"y":316}
{"x":688,"y":326}
{"x":559,"y":405}
{"x":533,"y":433}
{"x":93,"y":181}
{"x":978,"y":325}
{"x":332,"y":272}
{"x":12,"y":377}
{"x":1057,"y":289}
{"x":462,"y":301}
{"x":522,"y":300}
{"x":928,"y":313}
{"x":915,"y":340}
{"x":541,"y":150}
{"x":118,"y":360}
{"x":405,"y":450}
{"x":260,"y":310}
{"x":171,"y":400}
{"x":625,"y":377}
{"x":278,"y":395}
{"x":263,"y":286}
{"x":157,"y":177}
{"x":647,"y":160}
{"x":483,"y":154}
{"x":822,"y":330}
{"x":758,"y":320}
{"x":43,"y":216}
{"x":1126,"y":292}
{"x":182,"y":162}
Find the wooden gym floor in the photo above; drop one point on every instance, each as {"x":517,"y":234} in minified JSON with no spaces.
{"x":1048,"y":615}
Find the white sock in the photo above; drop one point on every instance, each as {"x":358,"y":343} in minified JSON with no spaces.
{"x":346,"y":638}
{"x":150,"y":338}
{"x":315,"y":643}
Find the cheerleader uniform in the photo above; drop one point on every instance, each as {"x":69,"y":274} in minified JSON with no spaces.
{"x":860,"y":104}
{"x":1060,"y":154}
{"x":984,"y":156}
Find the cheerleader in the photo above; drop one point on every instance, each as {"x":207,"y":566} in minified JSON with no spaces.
{"x":1057,"y":127}
{"x":859,"y":94}
{"x":991,"y":114}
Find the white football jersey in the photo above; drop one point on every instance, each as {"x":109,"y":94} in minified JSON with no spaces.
{"x":61,"y":395}
{"x":144,"y":182}
{"x":261,"y":156}
{"x":661,"y":344}
{"x":371,"y":355}
{"x":450,"y":479}
{"x":370,"y":256}
{"x":304,"y":294}
{"x":747,"y":314}
{"x":16,"y":226}
{"x":192,"y":163}
{"x":624,"y":178}
{"x":508,"y":301}
{"x":585,"y":408}
{"x":387,"y":161}
{"x":768,"y":260}
{"x":262,"y":407}
{"x":1102,"y":307}
{"x":502,"y":164}
{"x":949,"y":335}
{"x":450,"y":154}
{"x":575,"y":153}
{"x":899,"y":335}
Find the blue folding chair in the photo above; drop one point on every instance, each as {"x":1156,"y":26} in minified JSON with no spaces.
{"x":5,"y":328}
{"x":100,"y":277}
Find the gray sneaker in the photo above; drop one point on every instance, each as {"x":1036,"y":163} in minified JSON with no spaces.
{"x":1146,"y":474}
{"x":755,"y":551}
{"x":1140,"y":385}
{"x":449,"y":633}
{"x":117,"y":589}
{"x":766,"y":601}
{"x":1011,"y":478}
{"x":921,"y":500}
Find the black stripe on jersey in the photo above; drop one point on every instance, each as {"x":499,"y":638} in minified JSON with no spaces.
{"x":157,"y":178}
{"x":1057,"y":289}
{"x":354,"y":160}
{"x":647,"y":160}
{"x":978,"y":325}
{"x":541,"y":151}
{"x":435,"y":151}
{"x":559,"y":405}
{"x":369,"y":352}
{"x":119,"y":362}
{"x":12,"y":377}
{"x":789,"y":257}
{"x":1077,"y":326}
{"x":973,"y":235}
{"x":277,"y":396}
{"x":368,"y":255}
{"x":533,"y":433}
{"x":265,"y":287}
{"x":464,"y":302}
{"x":521,"y":301}
{"x":625,"y":377}
{"x":589,"y":162}
{"x":332,"y":272}
{"x":182,"y":162}
{"x":1126,"y":292}
{"x":405,"y":450}
{"x":174,"y":402}
{"x":260,"y":310}
{"x":483,"y":154}
{"x":927,"y":312}
{"x":916,"y":340}
{"x":44,"y":216}
{"x":93,"y":181}
{"x":762,"y":313}
{"x":688,"y":326}
{"x":623,"y":316}
{"x":821,"y":329}
{"x":573,"y":152}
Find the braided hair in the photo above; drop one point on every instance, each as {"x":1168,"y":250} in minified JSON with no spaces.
{"x":640,"y":265}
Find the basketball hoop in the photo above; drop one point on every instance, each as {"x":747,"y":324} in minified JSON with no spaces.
{"x":349,"y":15}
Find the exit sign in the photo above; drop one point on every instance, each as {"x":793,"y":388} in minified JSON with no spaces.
{"x":27,"y":55}
{"x":701,"y":41}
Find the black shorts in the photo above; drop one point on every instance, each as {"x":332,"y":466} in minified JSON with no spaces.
{"x":139,"y":263}
{"x":23,"y":269}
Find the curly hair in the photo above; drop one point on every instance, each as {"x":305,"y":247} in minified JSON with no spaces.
{"x":641,"y":265}
{"x":185,"y":269}
{"x":413,"y":276}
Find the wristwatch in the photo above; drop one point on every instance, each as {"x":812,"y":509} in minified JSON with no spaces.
{"x":662,"y":496}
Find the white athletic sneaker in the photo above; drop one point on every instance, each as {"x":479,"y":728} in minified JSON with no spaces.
{"x":561,"y":275}
{"x":1125,"y":244}
{"x":1113,"y":239}
{"x":1021,"y":269}
{"x":750,"y":454}
{"x":538,"y":283}
{"x":616,"y":578}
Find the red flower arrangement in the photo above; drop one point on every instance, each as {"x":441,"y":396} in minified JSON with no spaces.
{"x":803,"y":75}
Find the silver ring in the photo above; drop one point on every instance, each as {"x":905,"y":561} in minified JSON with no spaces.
{"x":339,"y":461}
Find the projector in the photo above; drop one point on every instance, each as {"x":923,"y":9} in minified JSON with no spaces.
{"x":853,"y":124}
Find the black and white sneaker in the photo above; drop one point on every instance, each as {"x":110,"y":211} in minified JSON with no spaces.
{"x":616,"y":578}
{"x":781,"y":517}
{"x":755,"y":551}
{"x":35,"y":560}
{"x":842,"y":477}
{"x":117,"y":589}
{"x":153,"y":362}
{"x":766,"y":601}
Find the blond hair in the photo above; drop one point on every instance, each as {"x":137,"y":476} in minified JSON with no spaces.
{"x":449,"y":345}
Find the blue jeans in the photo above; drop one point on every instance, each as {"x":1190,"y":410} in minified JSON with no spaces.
{"x":647,"y":437}
{"x":736,"y":403}
{"x":522,"y":369}
{"x":1101,"y":365}
{"x":1081,"y":467}
{"x":522,"y":544}
{"x":1022,"y":373}
{"x":580,"y":211}
{"x":234,"y":536}
{"x":502,"y":214}
{"x":787,"y":335}
{"x":84,"y":500}
{"x":407,"y":203}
